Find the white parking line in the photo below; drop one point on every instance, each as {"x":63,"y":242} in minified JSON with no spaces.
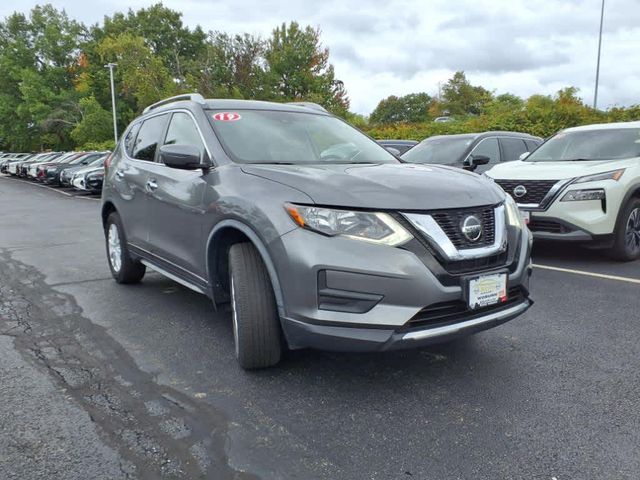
{"x":589,"y":274}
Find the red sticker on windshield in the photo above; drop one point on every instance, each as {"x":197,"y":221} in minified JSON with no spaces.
{"x":227,"y":117}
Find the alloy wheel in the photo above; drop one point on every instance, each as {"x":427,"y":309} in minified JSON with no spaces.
{"x":632,"y":232}
{"x":115,"y":248}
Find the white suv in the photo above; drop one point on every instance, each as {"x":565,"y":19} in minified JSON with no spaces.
{"x":582,"y":185}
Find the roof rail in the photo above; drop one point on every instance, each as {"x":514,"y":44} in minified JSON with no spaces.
{"x":311,"y":105}
{"x":194,"y":97}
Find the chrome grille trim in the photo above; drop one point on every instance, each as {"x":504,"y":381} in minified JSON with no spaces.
{"x":427,"y":225}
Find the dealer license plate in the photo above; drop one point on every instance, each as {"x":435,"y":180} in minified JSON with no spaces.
{"x":487,"y":290}
{"x":526,"y":216}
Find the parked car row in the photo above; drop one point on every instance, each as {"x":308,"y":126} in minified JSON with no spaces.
{"x":79,"y":170}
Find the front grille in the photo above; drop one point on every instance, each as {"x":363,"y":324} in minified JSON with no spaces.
{"x":536,"y":189}
{"x":476,"y":264}
{"x":547,"y":226}
{"x":446,"y":313}
{"x":451,"y":223}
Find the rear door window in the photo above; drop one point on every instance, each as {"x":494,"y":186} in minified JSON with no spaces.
{"x":148,"y":137}
{"x":512,"y":148}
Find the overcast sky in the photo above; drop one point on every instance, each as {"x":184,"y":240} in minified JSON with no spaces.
{"x":395,"y":47}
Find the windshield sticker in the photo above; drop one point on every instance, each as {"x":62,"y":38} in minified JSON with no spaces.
{"x":227,"y":117}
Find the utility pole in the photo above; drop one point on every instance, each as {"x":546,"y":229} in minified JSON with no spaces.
{"x":595,"y":95}
{"x":113,"y":101}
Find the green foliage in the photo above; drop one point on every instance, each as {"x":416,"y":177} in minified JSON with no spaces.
{"x":55,"y":92}
{"x":298,"y":69}
{"x":97,"y":146}
{"x":459,"y":97}
{"x":96,"y":124}
{"x":142,"y":74}
{"x":411,"y":108}
{"x":539,"y":115}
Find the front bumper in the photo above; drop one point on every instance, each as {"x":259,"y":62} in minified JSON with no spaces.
{"x":342,"y":294}
{"x":335,"y":338}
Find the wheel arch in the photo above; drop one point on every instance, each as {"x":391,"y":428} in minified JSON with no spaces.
{"x":107,"y":209}
{"x":223,"y":235}
{"x":633,"y":192}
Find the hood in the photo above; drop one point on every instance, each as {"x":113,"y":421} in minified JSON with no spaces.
{"x":384,"y":187}
{"x":520,"y":170}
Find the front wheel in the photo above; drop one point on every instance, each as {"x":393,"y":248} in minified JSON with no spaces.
{"x":256,"y":325}
{"x":123,"y":268}
{"x":627,"y":243}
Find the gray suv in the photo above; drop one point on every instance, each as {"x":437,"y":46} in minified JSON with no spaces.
{"x":316,"y":235}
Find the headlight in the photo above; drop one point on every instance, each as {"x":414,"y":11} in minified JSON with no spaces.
{"x":577,"y":195}
{"x":514,"y":218}
{"x":613,"y":175}
{"x":372,"y":227}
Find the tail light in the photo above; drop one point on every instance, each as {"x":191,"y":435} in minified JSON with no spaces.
{"x":107,"y":162}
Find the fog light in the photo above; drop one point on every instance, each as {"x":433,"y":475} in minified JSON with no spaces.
{"x":577,"y":195}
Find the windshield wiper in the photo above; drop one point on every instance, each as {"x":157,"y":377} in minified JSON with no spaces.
{"x":273,"y":163}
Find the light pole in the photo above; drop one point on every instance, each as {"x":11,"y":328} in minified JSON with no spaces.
{"x":595,"y":95}
{"x":113,"y":101}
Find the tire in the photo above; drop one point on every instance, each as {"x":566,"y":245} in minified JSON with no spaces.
{"x":256,"y":326}
{"x":626,"y":246}
{"x":123,"y":268}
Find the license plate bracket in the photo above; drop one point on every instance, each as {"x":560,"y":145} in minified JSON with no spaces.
{"x":486,"y":290}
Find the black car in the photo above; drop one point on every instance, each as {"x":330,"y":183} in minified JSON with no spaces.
{"x":401,"y":146}
{"x":472,"y":151}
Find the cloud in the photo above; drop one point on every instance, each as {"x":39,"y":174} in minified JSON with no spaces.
{"x":394,"y":47}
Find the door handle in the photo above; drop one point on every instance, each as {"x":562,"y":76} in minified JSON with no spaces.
{"x":120,"y":174}
{"x":151,"y":185}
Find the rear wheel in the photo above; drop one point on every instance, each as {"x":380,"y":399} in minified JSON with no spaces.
{"x":256,"y":325}
{"x":123,"y":268}
{"x":627,"y":243}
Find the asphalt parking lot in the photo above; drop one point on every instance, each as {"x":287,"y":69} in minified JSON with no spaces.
{"x":101,"y":380}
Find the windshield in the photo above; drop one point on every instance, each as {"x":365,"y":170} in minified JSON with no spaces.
{"x":605,"y":144}
{"x":442,"y":150}
{"x":267,"y":136}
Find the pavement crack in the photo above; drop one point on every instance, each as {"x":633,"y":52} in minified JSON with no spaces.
{"x":48,"y":329}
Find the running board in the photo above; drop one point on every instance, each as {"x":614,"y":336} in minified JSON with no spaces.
{"x":173,"y":277}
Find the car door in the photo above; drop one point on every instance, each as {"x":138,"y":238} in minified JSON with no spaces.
{"x":131,"y":177}
{"x":512,"y":148}
{"x":176,"y":204}
{"x":487,"y":147}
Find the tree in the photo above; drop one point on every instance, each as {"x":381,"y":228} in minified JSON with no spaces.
{"x":95,"y":125}
{"x":412,"y":108}
{"x":36,"y":56}
{"x":230,"y":66}
{"x":142,"y":74}
{"x":163,"y":32}
{"x":459,"y":97}
{"x":299,"y":69}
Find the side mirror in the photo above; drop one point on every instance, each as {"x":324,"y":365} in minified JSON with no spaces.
{"x":184,"y":157}
{"x":524,"y":155}
{"x":480,"y":159}
{"x":473,"y":161}
{"x":393,"y":151}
